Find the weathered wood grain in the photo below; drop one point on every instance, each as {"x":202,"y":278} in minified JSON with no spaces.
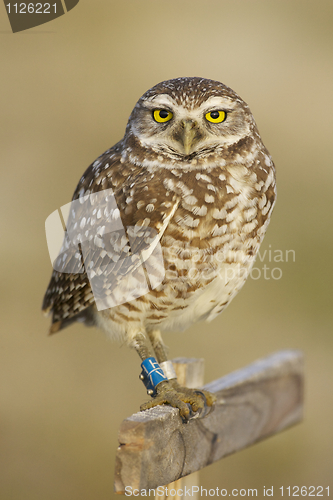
{"x":156,"y":447}
{"x":190,"y":373}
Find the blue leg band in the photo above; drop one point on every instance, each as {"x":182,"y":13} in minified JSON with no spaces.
{"x":151,"y":375}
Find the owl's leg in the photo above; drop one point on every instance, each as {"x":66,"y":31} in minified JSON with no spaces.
{"x":190,"y":402}
{"x":140,"y":343}
{"x":158,"y":345}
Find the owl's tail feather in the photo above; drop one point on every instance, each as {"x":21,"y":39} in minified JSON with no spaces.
{"x":55,"y":327}
{"x":86,"y":316}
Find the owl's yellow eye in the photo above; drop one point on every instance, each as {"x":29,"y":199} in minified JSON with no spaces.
{"x":162,"y":115}
{"x":216,"y":116}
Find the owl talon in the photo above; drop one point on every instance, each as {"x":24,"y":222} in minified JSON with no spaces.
{"x":192,"y":403}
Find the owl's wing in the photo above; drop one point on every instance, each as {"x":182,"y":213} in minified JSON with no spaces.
{"x":111,"y":246}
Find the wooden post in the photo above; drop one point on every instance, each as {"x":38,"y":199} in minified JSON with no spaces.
{"x":190,"y":373}
{"x":157,"y":448}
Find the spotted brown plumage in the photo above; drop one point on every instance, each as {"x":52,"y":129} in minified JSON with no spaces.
{"x":205,"y":189}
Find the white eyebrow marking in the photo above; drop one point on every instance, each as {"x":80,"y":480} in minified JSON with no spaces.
{"x":223,"y":102}
{"x":161,"y":100}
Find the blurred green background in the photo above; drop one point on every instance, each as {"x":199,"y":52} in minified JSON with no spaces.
{"x":67,"y":89}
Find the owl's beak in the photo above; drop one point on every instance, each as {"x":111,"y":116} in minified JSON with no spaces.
{"x":188,"y":135}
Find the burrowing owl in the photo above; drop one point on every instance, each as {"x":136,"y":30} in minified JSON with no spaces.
{"x":192,"y":176}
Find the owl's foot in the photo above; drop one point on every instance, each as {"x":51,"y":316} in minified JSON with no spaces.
{"x":192,"y":403}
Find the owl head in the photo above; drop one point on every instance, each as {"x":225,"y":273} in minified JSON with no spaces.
{"x":190,"y":116}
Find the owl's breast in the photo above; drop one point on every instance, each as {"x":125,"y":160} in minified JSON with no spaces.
{"x":216,"y":222}
{"x":210,"y":243}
